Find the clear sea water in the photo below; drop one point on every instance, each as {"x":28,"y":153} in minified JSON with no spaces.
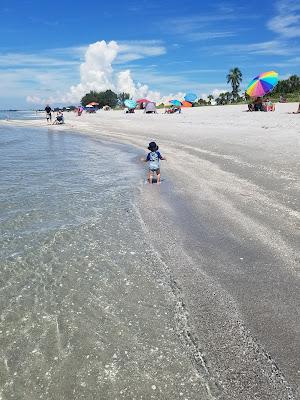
{"x":50,"y":181}
{"x":83,"y":315}
{"x":20,"y":115}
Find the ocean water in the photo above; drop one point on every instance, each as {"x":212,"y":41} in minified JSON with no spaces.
{"x":85,"y":312}
{"x":51,"y":181}
{"x":20,"y":115}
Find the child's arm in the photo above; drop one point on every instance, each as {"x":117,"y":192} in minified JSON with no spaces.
{"x":146,"y":159}
{"x":162,"y":158}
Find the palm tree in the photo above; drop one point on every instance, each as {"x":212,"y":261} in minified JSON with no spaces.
{"x":228,"y":97}
{"x":210,"y":98}
{"x":235,"y":78}
{"x":294,"y":83}
{"x":122,"y":97}
{"x":221,"y":100}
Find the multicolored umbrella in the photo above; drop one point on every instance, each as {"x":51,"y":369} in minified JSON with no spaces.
{"x":130,"y":103}
{"x":262,"y":84}
{"x":190,"y":97}
{"x":175,"y":102}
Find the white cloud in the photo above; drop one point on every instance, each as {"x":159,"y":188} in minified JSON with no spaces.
{"x":287,"y":22}
{"x":291,"y":62}
{"x":216,"y":92}
{"x":28,"y":60}
{"x":287,"y":25}
{"x":198,"y":36}
{"x":96,"y":72}
{"x":191,"y":28}
{"x":135,"y":50}
{"x":195,"y":23}
{"x":33,"y":99}
{"x":272,"y":47}
{"x":40,"y":100}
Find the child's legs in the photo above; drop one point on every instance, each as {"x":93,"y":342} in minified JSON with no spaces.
{"x":158,"y":175}
{"x":149,"y":176}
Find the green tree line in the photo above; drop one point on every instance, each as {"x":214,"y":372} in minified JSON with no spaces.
{"x":285,"y":87}
{"x":289,"y":87}
{"x":106,"y":98}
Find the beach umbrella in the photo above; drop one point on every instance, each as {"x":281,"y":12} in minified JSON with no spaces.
{"x":190,"y":97}
{"x":175,"y":102}
{"x":150,"y":107}
{"x":143,"y":101}
{"x":130,"y":103}
{"x":262,"y":84}
{"x":187,"y":104}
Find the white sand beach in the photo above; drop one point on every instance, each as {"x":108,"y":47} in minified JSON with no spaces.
{"x":224,"y":224}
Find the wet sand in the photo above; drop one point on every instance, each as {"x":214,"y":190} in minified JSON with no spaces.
{"x":222,"y":233}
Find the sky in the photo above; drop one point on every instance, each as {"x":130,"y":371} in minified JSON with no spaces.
{"x":55,"y":52}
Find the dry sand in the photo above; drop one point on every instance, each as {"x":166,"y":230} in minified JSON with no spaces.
{"x":224,"y":224}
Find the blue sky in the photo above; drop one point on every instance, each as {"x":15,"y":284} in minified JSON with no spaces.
{"x":169,"y":46}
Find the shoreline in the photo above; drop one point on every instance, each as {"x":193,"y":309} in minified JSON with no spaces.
{"x":222,"y":229}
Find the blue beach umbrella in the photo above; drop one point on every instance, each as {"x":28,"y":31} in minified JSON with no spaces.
{"x":175,"y":102}
{"x":130,"y":103}
{"x":190,"y":97}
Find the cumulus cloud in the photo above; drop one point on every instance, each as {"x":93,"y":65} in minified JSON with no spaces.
{"x":97,"y":73}
{"x":217,"y":92}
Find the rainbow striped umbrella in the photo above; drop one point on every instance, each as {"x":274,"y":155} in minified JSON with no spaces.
{"x":262,"y":84}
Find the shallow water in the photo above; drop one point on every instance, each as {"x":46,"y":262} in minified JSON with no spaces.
{"x":21,"y":115}
{"x":86,"y":311}
{"x":52,"y":181}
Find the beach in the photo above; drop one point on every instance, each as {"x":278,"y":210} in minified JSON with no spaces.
{"x":188,"y":289}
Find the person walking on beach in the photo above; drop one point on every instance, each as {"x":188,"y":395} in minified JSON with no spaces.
{"x":153,"y":158}
{"x":48,"y":110}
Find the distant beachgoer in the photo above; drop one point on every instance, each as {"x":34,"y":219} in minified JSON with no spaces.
{"x":153,"y":158}
{"x":258,"y":104}
{"x":48,"y":110}
{"x":250,"y":107}
{"x":269,"y":106}
{"x":296,"y":112}
{"x":282,"y":99}
{"x":173,"y":109}
{"x":129,"y":110}
{"x":59,"y":119}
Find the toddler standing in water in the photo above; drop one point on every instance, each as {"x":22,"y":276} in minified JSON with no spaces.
{"x":153,"y":158}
